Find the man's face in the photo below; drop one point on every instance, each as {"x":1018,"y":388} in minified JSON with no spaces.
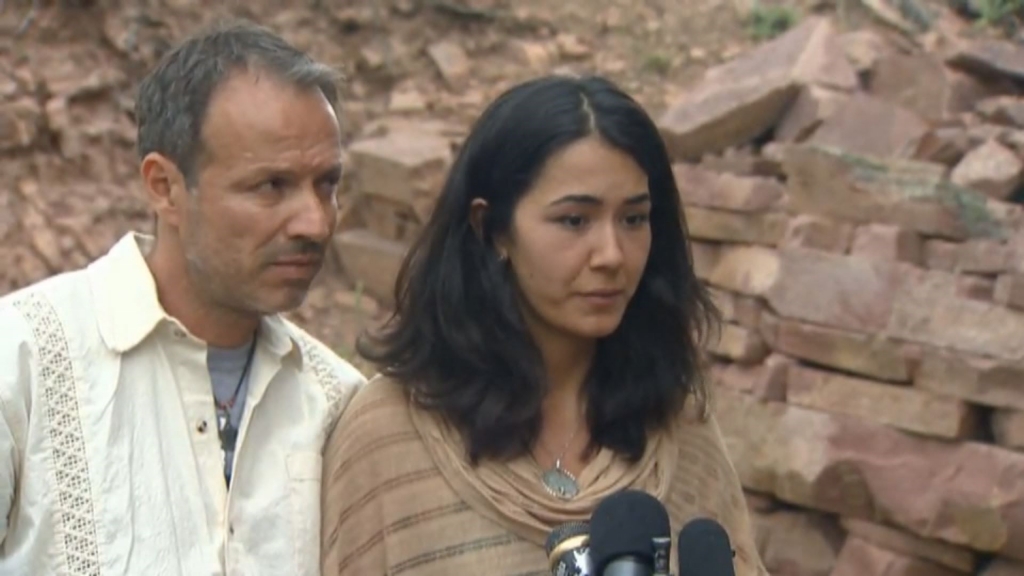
{"x":256,"y":229}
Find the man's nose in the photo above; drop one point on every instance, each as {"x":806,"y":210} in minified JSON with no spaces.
{"x":314,"y":216}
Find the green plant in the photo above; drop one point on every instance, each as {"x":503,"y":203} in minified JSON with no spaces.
{"x":657,"y":63}
{"x":767,"y":22}
{"x":998,"y":12}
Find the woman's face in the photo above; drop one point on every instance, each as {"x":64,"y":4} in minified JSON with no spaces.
{"x":579,"y":240}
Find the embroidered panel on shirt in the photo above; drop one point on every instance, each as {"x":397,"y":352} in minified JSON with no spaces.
{"x":327,"y":378}
{"x":64,"y":426}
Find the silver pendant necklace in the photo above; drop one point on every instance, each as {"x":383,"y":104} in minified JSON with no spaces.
{"x":558,"y":481}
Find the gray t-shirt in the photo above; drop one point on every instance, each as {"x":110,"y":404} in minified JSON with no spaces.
{"x":227,"y":366}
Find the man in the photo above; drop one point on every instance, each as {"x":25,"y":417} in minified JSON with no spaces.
{"x":157,"y":415}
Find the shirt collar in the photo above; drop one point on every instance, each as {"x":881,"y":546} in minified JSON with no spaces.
{"x":128,"y":308}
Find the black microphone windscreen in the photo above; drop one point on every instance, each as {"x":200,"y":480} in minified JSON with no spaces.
{"x":625,"y":524}
{"x":704,"y":549}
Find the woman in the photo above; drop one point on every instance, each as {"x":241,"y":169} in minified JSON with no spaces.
{"x":544,"y":353}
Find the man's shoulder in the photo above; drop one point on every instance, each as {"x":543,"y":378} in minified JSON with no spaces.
{"x":321,"y":360}
{"x":33,"y":324}
{"x":39,"y":302}
{"x":53,"y":285}
{"x":338,"y":378}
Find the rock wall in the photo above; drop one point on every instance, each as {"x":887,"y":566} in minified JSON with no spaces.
{"x":851,"y":198}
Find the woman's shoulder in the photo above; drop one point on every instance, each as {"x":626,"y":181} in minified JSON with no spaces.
{"x":695,"y":416}
{"x":698,"y":438}
{"x":379,"y":408}
{"x":379,"y":392}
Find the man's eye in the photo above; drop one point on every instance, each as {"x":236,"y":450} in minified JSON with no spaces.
{"x":328,"y":186}
{"x":275,"y":184}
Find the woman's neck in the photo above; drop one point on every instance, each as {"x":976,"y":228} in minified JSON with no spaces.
{"x":564,"y":434}
{"x":567,"y":363}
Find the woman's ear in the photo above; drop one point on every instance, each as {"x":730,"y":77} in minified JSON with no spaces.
{"x":477,"y":212}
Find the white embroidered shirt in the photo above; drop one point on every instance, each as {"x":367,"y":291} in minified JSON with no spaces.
{"x":110,"y":461}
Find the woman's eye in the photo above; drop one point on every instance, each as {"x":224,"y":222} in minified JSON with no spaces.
{"x":572,"y":221}
{"x":637,"y":219}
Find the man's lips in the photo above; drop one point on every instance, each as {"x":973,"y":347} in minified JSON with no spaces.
{"x":299,"y":261}
{"x":301,"y":268}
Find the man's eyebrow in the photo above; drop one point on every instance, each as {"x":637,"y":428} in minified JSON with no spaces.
{"x":327,"y":170}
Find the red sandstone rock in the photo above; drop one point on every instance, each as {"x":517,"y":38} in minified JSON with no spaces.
{"x":895,"y":131}
{"x":979,"y":380}
{"x":765,"y":380}
{"x":887,"y":242}
{"x":750,"y":270}
{"x":699,"y":186}
{"x":920,"y":82}
{"x":797,"y":543}
{"x":860,"y":558}
{"x":967,"y":494}
{"x":740,"y":344}
{"x":909,"y":194}
{"x":858,"y":353}
{"x":902,"y":407}
{"x":1008,"y":428}
{"x":373,"y":260}
{"x":927,"y":309}
{"x":1003,"y":110}
{"x":834,"y":290}
{"x":765,"y":228}
{"x":954,"y":557}
{"x":745,"y":97}
{"x":992,"y":169}
{"x":818,"y":233}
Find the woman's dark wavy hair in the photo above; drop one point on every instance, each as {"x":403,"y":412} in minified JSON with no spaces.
{"x":457,"y":339}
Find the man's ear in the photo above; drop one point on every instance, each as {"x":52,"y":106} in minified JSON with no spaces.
{"x":477,"y":212}
{"x":165,"y":187}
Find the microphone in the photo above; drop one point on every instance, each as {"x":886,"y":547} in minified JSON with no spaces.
{"x":704,"y":549}
{"x":630,"y":535}
{"x":568,"y":549}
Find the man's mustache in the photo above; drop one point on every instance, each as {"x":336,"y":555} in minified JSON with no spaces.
{"x":303,"y":248}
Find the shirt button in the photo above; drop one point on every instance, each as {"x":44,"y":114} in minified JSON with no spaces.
{"x":231,"y":530}
{"x":201,"y":427}
{"x":179,"y":333}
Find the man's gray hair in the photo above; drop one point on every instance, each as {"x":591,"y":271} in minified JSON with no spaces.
{"x":173,"y":98}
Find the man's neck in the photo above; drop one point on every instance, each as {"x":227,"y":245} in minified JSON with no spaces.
{"x":216,"y":325}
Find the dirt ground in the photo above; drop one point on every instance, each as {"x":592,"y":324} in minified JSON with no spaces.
{"x":70,"y":185}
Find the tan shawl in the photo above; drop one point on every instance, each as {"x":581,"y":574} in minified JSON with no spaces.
{"x":399,"y":496}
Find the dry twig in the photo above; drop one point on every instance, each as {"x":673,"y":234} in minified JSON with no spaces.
{"x":26,"y":23}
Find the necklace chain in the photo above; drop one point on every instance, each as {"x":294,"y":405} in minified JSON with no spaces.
{"x":225,"y":429}
{"x":227,"y":432}
{"x":558,"y":481}
{"x":228,"y":404}
{"x":559,"y":457}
